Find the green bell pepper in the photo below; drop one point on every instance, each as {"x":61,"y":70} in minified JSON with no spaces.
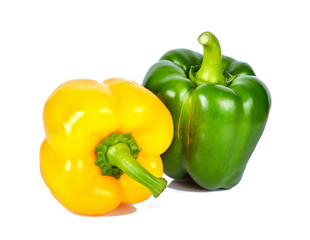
{"x":219,"y":108}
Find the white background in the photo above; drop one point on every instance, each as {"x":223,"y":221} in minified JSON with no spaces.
{"x":44,"y":43}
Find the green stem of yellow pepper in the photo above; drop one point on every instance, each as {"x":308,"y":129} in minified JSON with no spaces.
{"x":117,"y":154}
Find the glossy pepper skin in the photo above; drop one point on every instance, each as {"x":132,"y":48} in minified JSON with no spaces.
{"x":118,"y":121}
{"x":219,"y":109}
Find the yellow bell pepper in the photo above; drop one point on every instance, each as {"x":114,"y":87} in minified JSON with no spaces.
{"x":103,"y":144}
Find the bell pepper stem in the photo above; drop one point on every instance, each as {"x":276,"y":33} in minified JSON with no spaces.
{"x":210,"y":70}
{"x":119,"y":155}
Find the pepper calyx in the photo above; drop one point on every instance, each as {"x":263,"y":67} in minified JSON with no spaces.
{"x":106,"y":167}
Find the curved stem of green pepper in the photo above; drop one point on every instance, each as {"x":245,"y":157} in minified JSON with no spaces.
{"x":210,"y":70}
